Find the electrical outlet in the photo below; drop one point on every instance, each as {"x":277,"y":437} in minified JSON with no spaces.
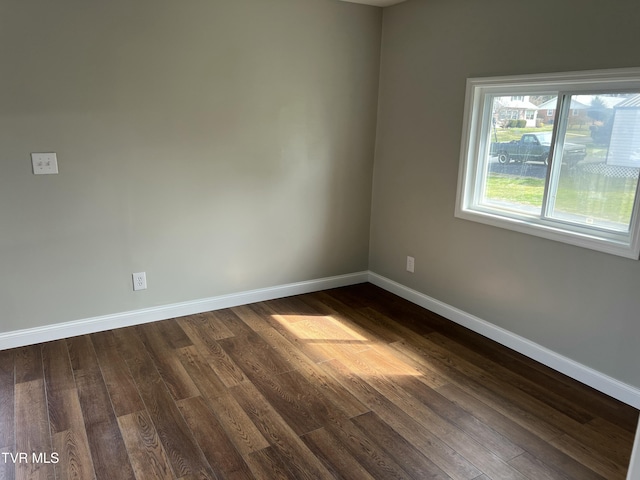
{"x":139,"y":281}
{"x":44,"y":163}
{"x":411,"y":264}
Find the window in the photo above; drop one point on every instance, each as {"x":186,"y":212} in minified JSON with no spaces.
{"x":551,"y":113}
{"x":564,"y":181}
{"x":530,"y":115}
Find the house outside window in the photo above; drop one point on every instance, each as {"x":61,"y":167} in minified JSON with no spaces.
{"x":554,"y":181}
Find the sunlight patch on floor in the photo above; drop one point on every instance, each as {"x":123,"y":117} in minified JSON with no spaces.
{"x":363,"y":356}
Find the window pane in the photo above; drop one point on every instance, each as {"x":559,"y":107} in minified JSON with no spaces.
{"x":516,"y":165}
{"x":598,"y":178}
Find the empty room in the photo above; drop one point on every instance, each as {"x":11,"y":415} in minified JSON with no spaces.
{"x":319,"y":239}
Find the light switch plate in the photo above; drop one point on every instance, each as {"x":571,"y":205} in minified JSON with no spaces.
{"x":44,"y":163}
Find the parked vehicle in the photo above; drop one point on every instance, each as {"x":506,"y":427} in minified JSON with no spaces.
{"x":535,"y":147}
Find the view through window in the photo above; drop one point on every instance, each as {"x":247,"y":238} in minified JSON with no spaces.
{"x":557,"y":158}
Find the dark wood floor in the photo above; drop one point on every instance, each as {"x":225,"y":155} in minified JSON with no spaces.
{"x":349,"y":383}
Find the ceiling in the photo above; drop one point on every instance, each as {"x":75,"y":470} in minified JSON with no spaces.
{"x":376,"y":3}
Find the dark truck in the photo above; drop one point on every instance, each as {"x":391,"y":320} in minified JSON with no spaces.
{"x":535,"y":147}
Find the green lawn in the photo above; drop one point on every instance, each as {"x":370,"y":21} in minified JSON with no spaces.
{"x":594,"y":196}
{"x":508,"y":134}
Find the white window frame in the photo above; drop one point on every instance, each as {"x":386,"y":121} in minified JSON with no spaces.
{"x":474,"y":146}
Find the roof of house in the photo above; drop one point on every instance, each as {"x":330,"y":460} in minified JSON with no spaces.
{"x":519,"y":104}
{"x":631,"y":102}
{"x":581,"y":102}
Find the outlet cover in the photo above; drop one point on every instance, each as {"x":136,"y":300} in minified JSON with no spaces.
{"x":139,"y":281}
{"x":44,"y":163}
{"x":411,"y":264}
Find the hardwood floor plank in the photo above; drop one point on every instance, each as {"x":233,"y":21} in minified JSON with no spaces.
{"x":94,"y":398}
{"x":7,"y":467}
{"x":147,"y":455}
{"x":214,"y":443}
{"x":322,"y":338}
{"x":7,"y":366}
{"x":57,"y":366}
{"x":232,"y":322}
{"x":181,"y":448}
{"x":425,"y":374}
{"x":73,"y":454}
{"x":254,"y":316}
{"x":60,"y":386}
{"x":540,"y":392}
{"x":32,"y":429}
{"x":526,"y":439}
{"x":208,"y":322}
{"x":613,"y":410}
{"x":480,"y":431}
{"x":334,"y":455}
{"x":117,"y":378}
{"x":237,"y":424}
{"x":280,"y":324}
{"x":314,"y":374}
{"x":7,"y":402}
{"x":606,"y":444}
{"x":28,"y":364}
{"x":289,"y":394}
{"x":610,"y":432}
{"x":436,"y":449}
{"x":534,"y":468}
{"x":376,"y":326}
{"x":204,"y":378}
{"x":407,"y":314}
{"x":173,"y":334}
{"x":523,"y":400}
{"x":254,"y":356}
{"x":591,"y":458}
{"x":213,"y":354}
{"x":107,"y":447}
{"x":67,"y":428}
{"x":476,"y":452}
{"x":501,"y":403}
{"x":362,"y":447}
{"x":266,"y":464}
{"x":405,"y":454}
{"x":167,"y":362}
{"x":108,"y":450}
{"x":298,"y":458}
{"x":69,"y":435}
{"x":291,"y":306}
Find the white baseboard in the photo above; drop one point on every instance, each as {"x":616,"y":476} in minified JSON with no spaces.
{"x":30,"y":336}
{"x":601,"y":382}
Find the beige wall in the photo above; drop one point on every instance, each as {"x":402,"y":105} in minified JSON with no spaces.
{"x":218,"y":145}
{"x":582,"y":304}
